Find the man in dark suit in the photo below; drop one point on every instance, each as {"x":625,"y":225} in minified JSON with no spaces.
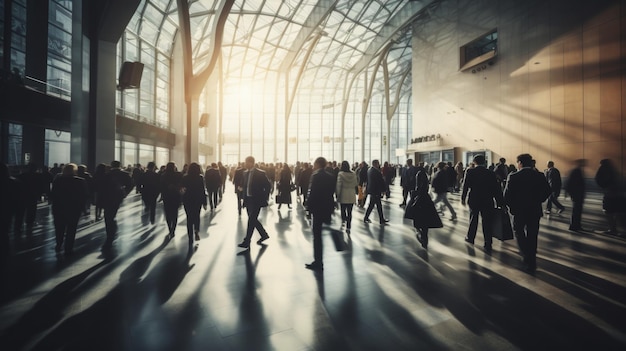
{"x":375,"y":190}
{"x":320,"y":203}
{"x":483,"y":187}
{"x":553,"y":176}
{"x":525,"y":191}
{"x":117,"y":184}
{"x":68,"y":196}
{"x":575,"y":187}
{"x":256,"y":191}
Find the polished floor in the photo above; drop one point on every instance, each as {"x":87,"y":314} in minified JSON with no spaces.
{"x":379,"y":291}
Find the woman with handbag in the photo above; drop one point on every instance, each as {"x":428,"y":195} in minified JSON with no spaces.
{"x":284,"y":187}
{"x":421,"y":209}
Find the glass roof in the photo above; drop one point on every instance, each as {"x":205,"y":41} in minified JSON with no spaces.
{"x":332,"y":42}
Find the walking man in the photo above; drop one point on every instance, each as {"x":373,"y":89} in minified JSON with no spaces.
{"x":525,"y":191}
{"x":117,"y":184}
{"x":320,"y":203}
{"x":553,"y":176}
{"x":375,"y":190}
{"x":256,"y":192}
{"x":482,"y":187}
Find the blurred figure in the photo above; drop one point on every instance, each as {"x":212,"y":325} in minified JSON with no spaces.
{"x":9,"y":189}
{"x":284,"y":186}
{"x":553,"y":176}
{"x":82,"y":173}
{"x":320,"y":204}
{"x":98,"y":189}
{"x":170,"y":184}
{"x":213,"y":182}
{"x":613,"y":201}
{"x":194,"y":198}
{"x":117,"y":185}
{"x":440,"y":185}
{"x":149,"y":189}
{"x":68,"y":195}
{"x":346,"y":190}
{"x":575,"y":187}
{"x":407,"y":180}
{"x":238,"y":184}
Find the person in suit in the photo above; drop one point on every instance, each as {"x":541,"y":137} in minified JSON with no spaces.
{"x":194,"y":198}
{"x":320,"y":204}
{"x":553,"y":176}
{"x":238,"y":184}
{"x":480,"y":188}
{"x":256,"y":190}
{"x":525,"y":191}
{"x":149,"y":189}
{"x":613,"y":205}
{"x":117,"y":184}
{"x":375,"y":190}
{"x":68,"y":197}
{"x":169,"y":185}
{"x":346,"y":194}
{"x":213,"y":181}
{"x":575,"y":187}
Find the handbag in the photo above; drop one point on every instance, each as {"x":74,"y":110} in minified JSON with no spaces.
{"x":292,"y":187}
{"x":501,"y":225}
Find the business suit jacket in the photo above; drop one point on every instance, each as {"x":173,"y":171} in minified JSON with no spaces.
{"x":238,"y":179}
{"x":260,"y":187}
{"x":212,"y":179}
{"x":375,"y":182}
{"x":320,"y":200}
{"x":525,"y":190}
{"x":481,"y":187}
{"x":116,"y":185}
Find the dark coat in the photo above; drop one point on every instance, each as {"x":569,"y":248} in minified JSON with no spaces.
{"x":525,"y":191}
{"x":320,"y":199}
{"x":213,"y":179}
{"x":260,"y":187}
{"x":116,"y":185}
{"x":575,"y":185}
{"x":170,"y":184}
{"x":421,"y":208}
{"x":482,"y":187}
{"x":284,"y":186}
{"x":149,"y":185}
{"x":68,"y":195}
{"x":194,"y":193}
{"x":238,"y":179}
{"x":375,"y":182}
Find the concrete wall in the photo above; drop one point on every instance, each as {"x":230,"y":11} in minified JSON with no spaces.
{"x":555,"y":89}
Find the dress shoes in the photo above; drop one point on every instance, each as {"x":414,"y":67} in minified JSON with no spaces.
{"x":244,"y":245}
{"x":469,"y":241}
{"x":314,"y":266}
{"x":367,"y":220}
{"x":197,"y":236}
{"x":263,"y":238}
{"x":488,"y":249}
{"x":384,"y":221}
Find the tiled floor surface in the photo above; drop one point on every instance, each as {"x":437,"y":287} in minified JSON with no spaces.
{"x":379,"y":291}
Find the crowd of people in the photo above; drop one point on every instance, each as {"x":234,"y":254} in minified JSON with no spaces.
{"x":324,"y":186}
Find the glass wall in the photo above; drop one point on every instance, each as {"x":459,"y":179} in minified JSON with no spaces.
{"x":57,"y":147}
{"x":18,"y":37}
{"x":60,"y":48}
{"x":14,"y":147}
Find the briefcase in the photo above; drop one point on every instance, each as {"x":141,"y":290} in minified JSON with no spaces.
{"x":501,"y":225}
